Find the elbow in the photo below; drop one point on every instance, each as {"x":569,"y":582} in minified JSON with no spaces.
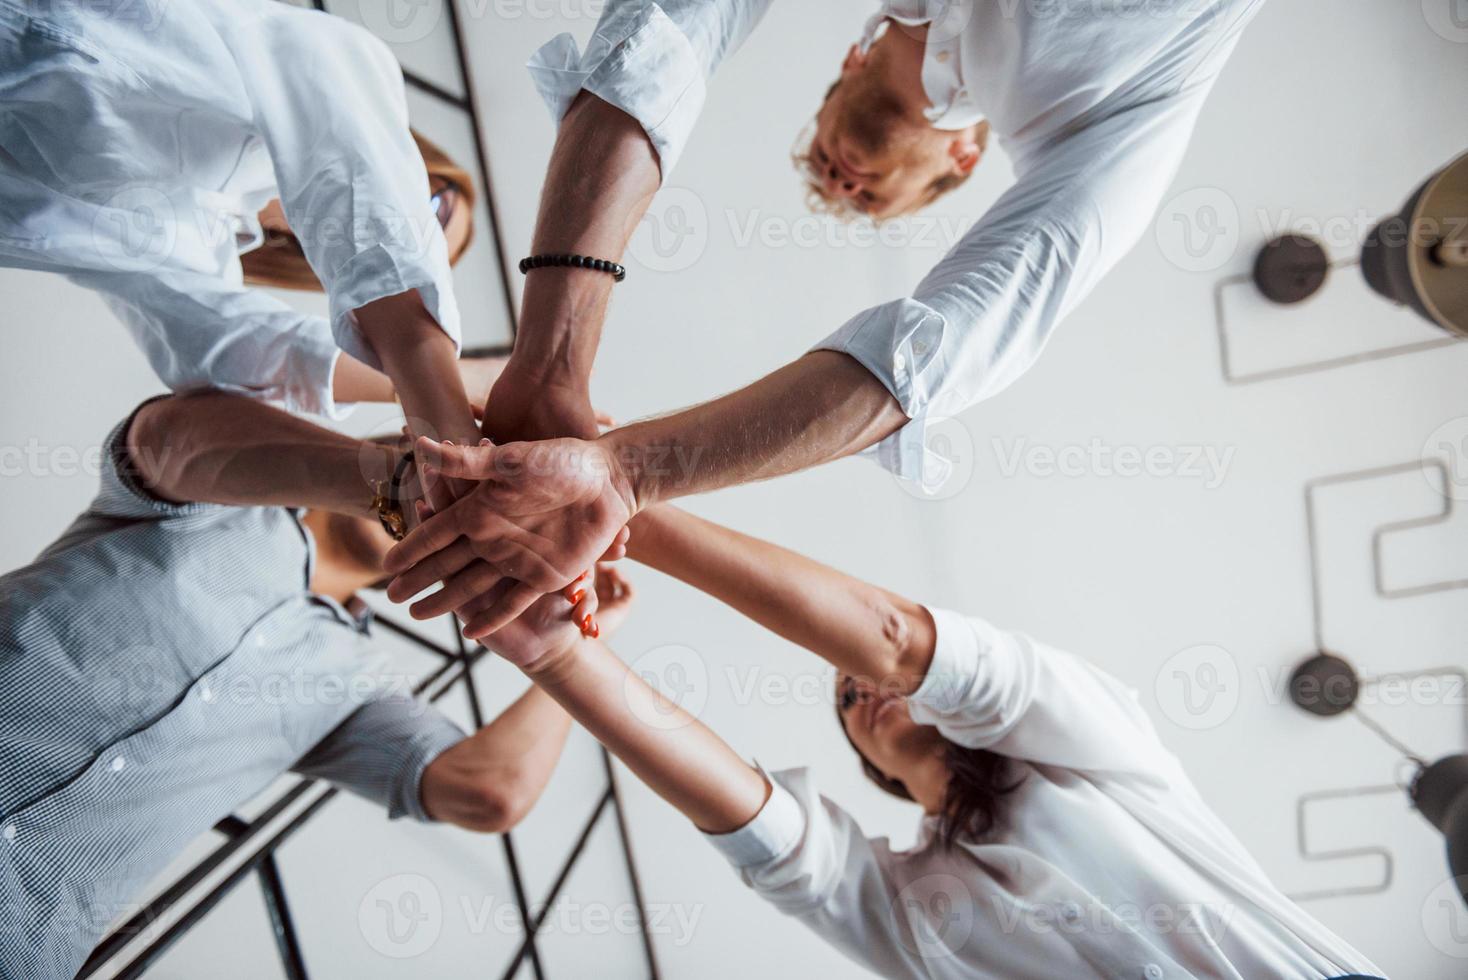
{"x":153,"y":446}
{"x":494,"y":807}
{"x":909,"y":636}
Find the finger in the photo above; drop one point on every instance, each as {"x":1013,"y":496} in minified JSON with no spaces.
{"x":617,"y":550}
{"x":438,"y":491}
{"x":475,"y":606}
{"x":436,"y":568}
{"x":576,"y":589}
{"x":586,"y":608}
{"x":605,"y":421}
{"x":462,"y":587}
{"x":458,"y":462}
{"x":514,"y":602}
{"x":433,"y":535}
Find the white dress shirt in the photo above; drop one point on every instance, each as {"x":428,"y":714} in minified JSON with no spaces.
{"x":137,"y":147}
{"x":1093,"y":102}
{"x":1106,"y":862}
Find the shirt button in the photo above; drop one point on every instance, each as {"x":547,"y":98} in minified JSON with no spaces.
{"x":207,"y":693}
{"x":118,"y":763}
{"x":943,"y":57}
{"x":9,"y":831}
{"x":1071,"y":911}
{"x":899,"y":362}
{"x":1152,"y":972}
{"x":259,"y":640}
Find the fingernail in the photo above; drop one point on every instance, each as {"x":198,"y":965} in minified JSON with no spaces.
{"x":583,"y":575}
{"x":595,"y":630}
{"x":577,"y":596}
{"x":485,"y":442}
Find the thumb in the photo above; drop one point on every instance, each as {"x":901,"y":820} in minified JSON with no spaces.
{"x":456,"y":462}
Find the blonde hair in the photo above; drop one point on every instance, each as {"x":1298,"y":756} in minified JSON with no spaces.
{"x":280,"y":261}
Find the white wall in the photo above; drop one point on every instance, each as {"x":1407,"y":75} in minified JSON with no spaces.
{"x":1330,"y":112}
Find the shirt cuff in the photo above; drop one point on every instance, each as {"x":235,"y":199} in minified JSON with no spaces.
{"x":426,"y":746}
{"x":378,"y":273}
{"x":902,"y":344}
{"x":311,"y":387}
{"x":772,"y":833}
{"x":951,"y":675}
{"x":639,"y":61}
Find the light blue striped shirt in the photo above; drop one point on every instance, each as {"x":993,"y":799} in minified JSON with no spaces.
{"x":159,"y":665}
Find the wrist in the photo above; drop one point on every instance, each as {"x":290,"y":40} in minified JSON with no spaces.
{"x":552,"y":668}
{"x":630,"y":475}
{"x":561,"y":325}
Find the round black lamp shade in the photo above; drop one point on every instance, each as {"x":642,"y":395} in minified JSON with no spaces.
{"x":1325,"y":685}
{"x":1440,"y":793}
{"x":1419,"y":258}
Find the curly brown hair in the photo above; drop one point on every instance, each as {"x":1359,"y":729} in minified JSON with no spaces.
{"x":978,"y":781}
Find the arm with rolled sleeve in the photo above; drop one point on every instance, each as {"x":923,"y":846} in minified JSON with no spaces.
{"x":381,"y":751}
{"x":200,"y":331}
{"x":988,"y":688}
{"x":352,"y":182}
{"x":983,"y":315}
{"x":650,"y":60}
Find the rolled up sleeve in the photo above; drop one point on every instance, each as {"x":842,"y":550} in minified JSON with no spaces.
{"x":201,"y":331}
{"x":651,"y":60}
{"x":984,"y":314}
{"x":988,"y":688}
{"x":381,"y":752}
{"x":352,"y":181}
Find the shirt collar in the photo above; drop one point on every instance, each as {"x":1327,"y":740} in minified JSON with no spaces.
{"x":953,"y":106}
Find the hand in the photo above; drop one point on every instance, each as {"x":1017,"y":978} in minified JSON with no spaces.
{"x":525,"y":407}
{"x":614,"y":595}
{"x":543,"y":512}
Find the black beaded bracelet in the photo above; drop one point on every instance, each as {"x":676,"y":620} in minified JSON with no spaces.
{"x":616,"y":271}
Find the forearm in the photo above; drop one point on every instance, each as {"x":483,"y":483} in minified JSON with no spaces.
{"x":673,"y":753}
{"x":863,"y":630}
{"x":602,"y":177}
{"x":228,"y":449}
{"x":422,"y":363}
{"x":353,"y":381}
{"x":821,"y":407}
{"x":513,"y":756}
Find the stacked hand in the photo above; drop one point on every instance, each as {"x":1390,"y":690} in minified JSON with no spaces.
{"x":554,"y":623}
{"x":538,"y":515}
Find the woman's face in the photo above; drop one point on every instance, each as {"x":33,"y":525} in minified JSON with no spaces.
{"x":878,"y":724}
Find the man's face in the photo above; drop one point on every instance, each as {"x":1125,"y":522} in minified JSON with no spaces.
{"x":874,"y":151}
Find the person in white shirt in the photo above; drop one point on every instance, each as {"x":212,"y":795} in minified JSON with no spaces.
{"x":1093,"y":102}
{"x":1059,"y":837}
{"x":143,"y":148}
